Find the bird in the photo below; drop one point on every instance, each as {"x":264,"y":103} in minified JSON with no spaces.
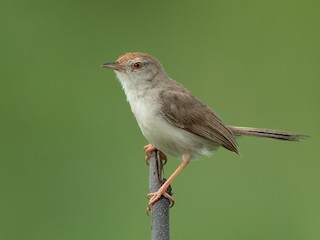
{"x":173,"y":120}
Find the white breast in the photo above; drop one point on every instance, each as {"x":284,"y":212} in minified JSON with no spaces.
{"x":146,"y":107}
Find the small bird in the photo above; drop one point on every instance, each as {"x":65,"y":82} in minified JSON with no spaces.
{"x":172,"y":119}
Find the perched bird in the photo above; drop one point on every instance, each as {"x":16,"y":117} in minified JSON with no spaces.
{"x":172,"y":119}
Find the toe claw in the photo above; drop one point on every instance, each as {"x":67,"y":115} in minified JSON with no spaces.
{"x":149,"y":148}
{"x":163,"y":158}
{"x":153,"y":197}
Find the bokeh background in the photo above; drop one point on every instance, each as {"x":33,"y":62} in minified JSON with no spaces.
{"x":71,"y":158}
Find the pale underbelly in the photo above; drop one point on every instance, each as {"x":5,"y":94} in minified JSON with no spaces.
{"x":175,"y":141}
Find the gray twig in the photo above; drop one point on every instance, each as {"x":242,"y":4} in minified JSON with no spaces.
{"x":160,"y":209}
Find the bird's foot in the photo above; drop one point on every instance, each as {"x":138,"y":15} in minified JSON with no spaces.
{"x":153,"y":197}
{"x":149,"y":148}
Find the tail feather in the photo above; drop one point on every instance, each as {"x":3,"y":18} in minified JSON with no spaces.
{"x":267,"y":133}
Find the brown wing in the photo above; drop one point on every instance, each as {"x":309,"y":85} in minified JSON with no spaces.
{"x":183,"y":110}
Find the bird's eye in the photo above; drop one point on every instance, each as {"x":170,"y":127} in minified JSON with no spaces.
{"x":138,"y":65}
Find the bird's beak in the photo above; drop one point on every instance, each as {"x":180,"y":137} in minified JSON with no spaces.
{"x":114,"y":65}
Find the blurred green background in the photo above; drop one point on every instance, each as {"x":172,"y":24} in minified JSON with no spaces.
{"x":71,"y":158}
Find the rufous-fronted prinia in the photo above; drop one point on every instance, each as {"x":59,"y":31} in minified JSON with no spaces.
{"x":172,"y":119}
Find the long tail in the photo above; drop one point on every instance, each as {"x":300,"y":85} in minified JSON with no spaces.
{"x":266,"y":133}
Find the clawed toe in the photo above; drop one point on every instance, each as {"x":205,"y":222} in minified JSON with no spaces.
{"x":153,"y":197}
{"x":163,"y":158}
{"x":149,"y":148}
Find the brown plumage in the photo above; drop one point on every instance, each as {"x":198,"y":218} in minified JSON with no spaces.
{"x":266,"y":133}
{"x":183,"y":110}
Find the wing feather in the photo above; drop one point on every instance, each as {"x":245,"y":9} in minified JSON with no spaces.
{"x":183,"y":110}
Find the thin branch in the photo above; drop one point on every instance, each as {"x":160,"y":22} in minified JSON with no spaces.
{"x":160,"y":209}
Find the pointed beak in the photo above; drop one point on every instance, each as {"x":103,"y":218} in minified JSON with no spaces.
{"x":113,"y":65}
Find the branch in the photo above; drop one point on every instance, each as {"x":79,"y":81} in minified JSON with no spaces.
{"x":160,"y":209}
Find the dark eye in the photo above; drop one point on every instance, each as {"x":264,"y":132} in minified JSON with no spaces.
{"x":138,"y":65}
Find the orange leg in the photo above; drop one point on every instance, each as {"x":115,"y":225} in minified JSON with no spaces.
{"x":149,"y":148}
{"x":153,"y":197}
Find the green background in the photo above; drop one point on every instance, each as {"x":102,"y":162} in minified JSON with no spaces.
{"x":71,"y":158}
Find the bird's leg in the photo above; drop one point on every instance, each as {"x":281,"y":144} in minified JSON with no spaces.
{"x":153,"y":197}
{"x":149,"y":148}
